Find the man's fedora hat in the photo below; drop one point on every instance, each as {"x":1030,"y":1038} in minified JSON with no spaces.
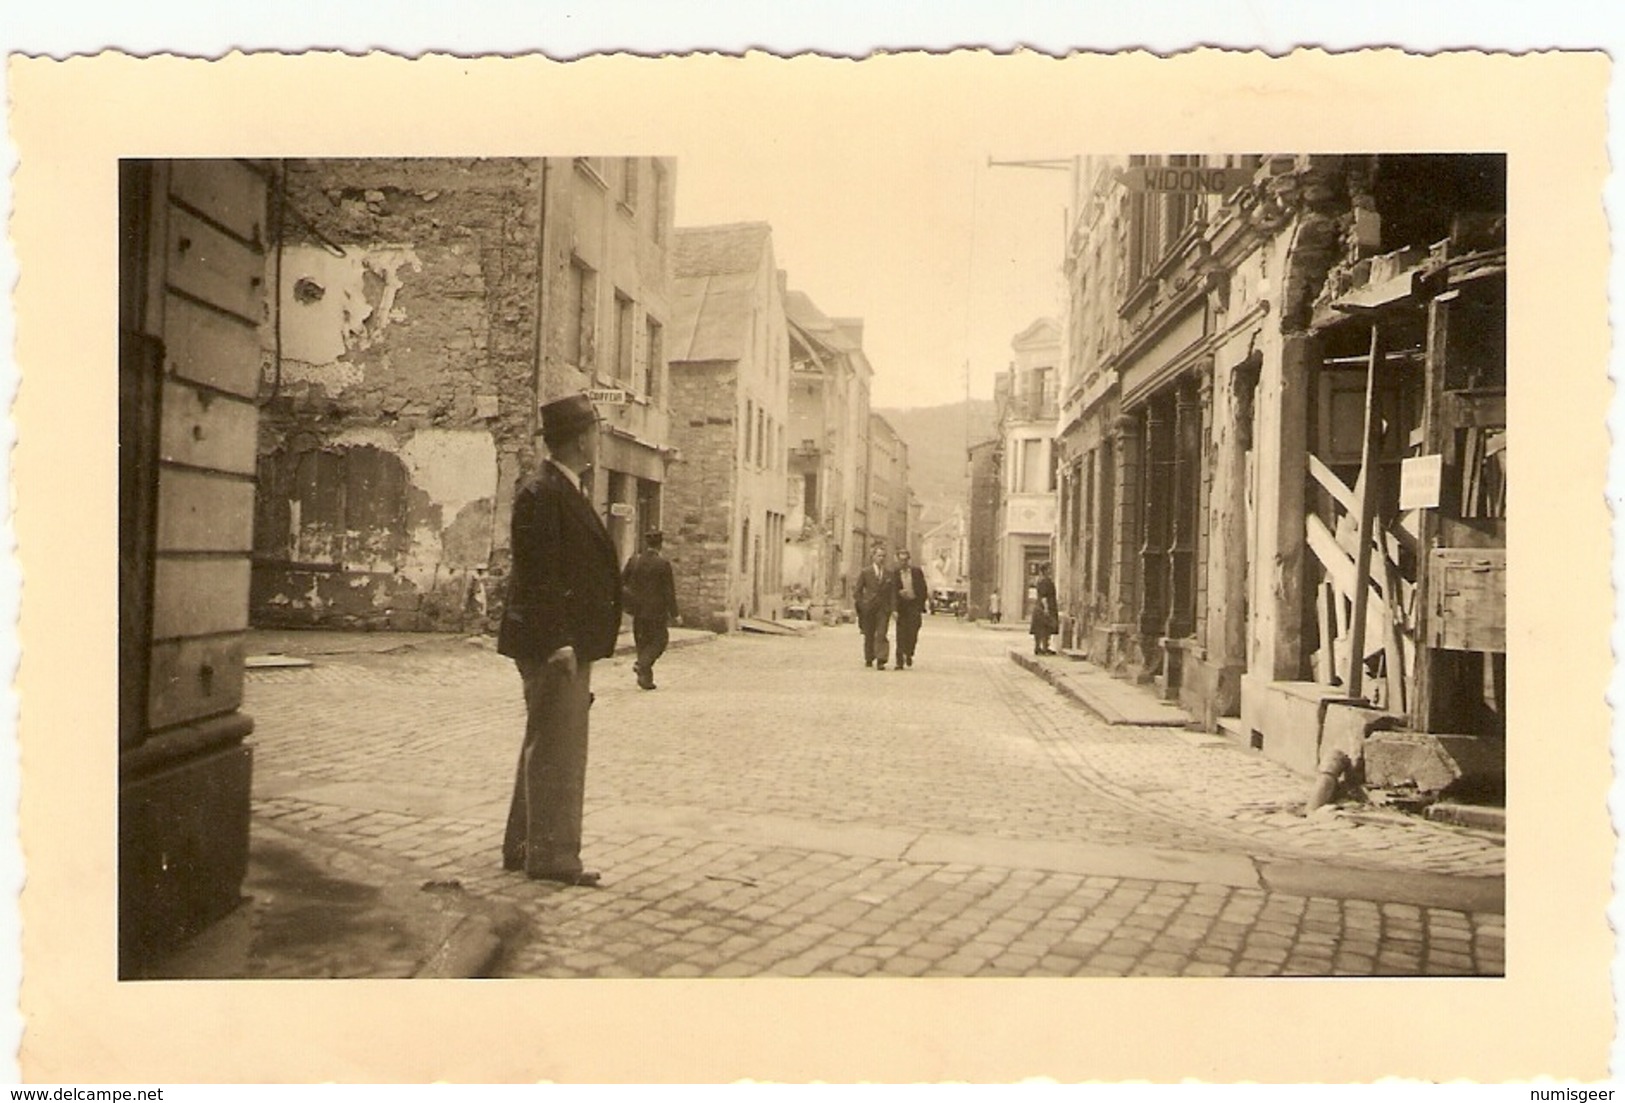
{"x":566,"y":417}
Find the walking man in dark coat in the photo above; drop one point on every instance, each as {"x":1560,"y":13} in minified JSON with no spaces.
{"x":651,"y":598}
{"x":909,"y":583}
{"x":873,"y":595}
{"x":563,"y":614}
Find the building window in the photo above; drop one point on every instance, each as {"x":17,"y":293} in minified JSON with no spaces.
{"x":629,"y":183}
{"x":662,"y":194}
{"x":750,"y":429}
{"x":592,"y":168}
{"x":654,"y":357}
{"x":623,"y":337}
{"x":1157,"y":222}
{"x":760,"y":422}
{"x":1034,"y":475}
{"x":809,"y":495}
{"x":648,"y":505}
{"x":580,"y":311}
{"x":744,"y":545}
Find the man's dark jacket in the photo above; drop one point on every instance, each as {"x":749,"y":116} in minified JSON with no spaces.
{"x":874,"y":595}
{"x":565,"y":589}
{"x":650,"y":589}
{"x":909,"y":605}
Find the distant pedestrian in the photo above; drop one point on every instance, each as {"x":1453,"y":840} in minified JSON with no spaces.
{"x":909,"y":599}
{"x":993,"y":607}
{"x":563,"y":613}
{"x":1046,"y":618}
{"x":651,"y":598}
{"x":873,"y":595}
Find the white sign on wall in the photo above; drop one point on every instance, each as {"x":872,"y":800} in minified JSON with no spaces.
{"x":1420,"y":478}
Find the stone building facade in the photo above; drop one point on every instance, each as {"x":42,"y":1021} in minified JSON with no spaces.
{"x":888,"y":497}
{"x":944,"y":552}
{"x":983,"y":526}
{"x":1026,"y":410}
{"x":729,"y":359}
{"x":425,"y":309}
{"x":193,"y":239}
{"x":1267,"y":356}
{"x":828,"y":443}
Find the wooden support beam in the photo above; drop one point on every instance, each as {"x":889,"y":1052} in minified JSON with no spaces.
{"x":1323,"y":617}
{"x":1340,"y":571}
{"x":1423,"y":696}
{"x":1368,"y":508}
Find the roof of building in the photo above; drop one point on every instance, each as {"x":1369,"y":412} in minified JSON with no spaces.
{"x":809,"y":325}
{"x":1042,"y":331}
{"x":718,"y":278}
{"x":717,"y":250}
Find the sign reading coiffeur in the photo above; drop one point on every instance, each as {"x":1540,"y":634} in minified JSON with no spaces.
{"x":607,"y":396}
{"x":1184,"y":179}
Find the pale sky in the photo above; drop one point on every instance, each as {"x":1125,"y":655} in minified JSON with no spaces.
{"x":944,"y":258}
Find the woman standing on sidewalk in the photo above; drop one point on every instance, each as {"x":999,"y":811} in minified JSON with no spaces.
{"x":1046,"y":617}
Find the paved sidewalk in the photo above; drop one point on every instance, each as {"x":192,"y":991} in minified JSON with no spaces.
{"x":315,"y":906}
{"x":1112,"y":699}
{"x":318,"y":900}
{"x":1235,"y":791}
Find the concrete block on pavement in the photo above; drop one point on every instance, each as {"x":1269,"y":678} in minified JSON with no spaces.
{"x":1433,"y":762}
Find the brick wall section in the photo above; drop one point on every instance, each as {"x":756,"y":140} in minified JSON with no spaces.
{"x":440,"y":270}
{"x":701,"y":540}
{"x":462,"y":324}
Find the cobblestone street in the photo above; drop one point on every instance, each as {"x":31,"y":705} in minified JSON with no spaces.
{"x":777,"y":809}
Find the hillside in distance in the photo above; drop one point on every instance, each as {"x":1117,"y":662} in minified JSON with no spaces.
{"x":937,"y":437}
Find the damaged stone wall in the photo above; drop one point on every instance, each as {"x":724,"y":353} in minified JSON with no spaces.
{"x":398,"y":378}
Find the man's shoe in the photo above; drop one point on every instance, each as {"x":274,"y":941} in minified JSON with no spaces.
{"x":880,"y":666}
{"x":581,"y":878}
{"x":868,"y":662}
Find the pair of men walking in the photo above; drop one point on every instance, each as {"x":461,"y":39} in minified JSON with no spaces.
{"x":878,"y":594}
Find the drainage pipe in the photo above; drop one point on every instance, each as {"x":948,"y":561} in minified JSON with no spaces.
{"x":1333,"y":765}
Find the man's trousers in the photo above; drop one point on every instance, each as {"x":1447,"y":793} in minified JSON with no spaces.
{"x":873,"y":625}
{"x":544,"y":818}
{"x":651,"y":635}
{"x":908,"y":633}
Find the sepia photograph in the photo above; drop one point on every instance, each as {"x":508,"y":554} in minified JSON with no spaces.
{"x":519,"y":528}
{"x":426,"y":464}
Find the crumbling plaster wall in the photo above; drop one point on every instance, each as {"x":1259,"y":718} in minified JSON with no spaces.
{"x":402,"y":348}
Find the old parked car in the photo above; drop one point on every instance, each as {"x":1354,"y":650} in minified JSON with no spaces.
{"x":947,"y":601}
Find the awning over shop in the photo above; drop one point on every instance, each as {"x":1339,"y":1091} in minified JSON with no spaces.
{"x":640,"y":459}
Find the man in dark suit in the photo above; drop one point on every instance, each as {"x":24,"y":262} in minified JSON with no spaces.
{"x":563,"y":613}
{"x":873,"y":594}
{"x":909,"y":583}
{"x":651,"y":598}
